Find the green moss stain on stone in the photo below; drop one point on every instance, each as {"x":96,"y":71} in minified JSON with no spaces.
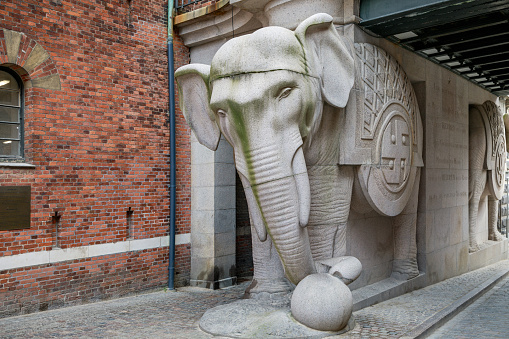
{"x":242,"y":133}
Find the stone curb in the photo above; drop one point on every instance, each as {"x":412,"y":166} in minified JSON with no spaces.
{"x":438,"y":319}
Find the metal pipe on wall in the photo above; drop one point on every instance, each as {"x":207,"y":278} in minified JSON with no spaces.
{"x":171,"y":95}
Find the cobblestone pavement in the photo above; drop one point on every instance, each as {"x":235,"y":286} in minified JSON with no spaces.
{"x":176,"y":314}
{"x":488,"y":317}
{"x":162,"y":314}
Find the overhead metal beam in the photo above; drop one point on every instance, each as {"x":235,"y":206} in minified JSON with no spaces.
{"x":461,"y":27}
{"x":389,"y":17}
{"x":483,"y":67}
{"x":501,"y":72}
{"x":480,"y":60}
{"x":484,"y":44}
{"x":473,"y":56}
{"x":504,"y":79}
{"x":501,"y":30}
{"x":469,"y":37}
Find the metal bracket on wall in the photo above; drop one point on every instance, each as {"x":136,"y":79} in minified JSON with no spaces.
{"x":55,"y":220}
{"x":129,"y":217}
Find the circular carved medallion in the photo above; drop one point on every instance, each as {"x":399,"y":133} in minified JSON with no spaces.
{"x":388,"y":185}
{"x":496,"y":179}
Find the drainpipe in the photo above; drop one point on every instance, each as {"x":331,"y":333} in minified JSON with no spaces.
{"x":171,"y":95}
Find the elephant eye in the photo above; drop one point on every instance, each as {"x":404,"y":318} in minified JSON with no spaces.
{"x":221,"y":113}
{"x":285,"y":92}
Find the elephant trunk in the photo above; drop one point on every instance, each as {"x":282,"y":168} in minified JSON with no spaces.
{"x":279,"y":200}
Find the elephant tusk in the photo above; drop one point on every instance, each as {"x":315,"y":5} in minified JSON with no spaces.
{"x":300,"y":175}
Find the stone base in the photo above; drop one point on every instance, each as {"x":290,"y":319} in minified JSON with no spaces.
{"x":489,"y":253}
{"x":214,"y":285}
{"x":250,"y":318}
{"x":384,"y":290}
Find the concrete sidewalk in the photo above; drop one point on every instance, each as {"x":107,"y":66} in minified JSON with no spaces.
{"x":176,"y":314}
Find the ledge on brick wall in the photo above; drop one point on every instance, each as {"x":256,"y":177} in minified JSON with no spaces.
{"x":16,"y":165}
{"x":83,"y":252}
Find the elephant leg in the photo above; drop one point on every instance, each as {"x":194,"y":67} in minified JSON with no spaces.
{"x":477,"y":176}
{"x":477,"y":183}
{"x":269,"y":281}
{"x":331,"y":192}
{"x":493,"y":233}
{"x":404,"y":266}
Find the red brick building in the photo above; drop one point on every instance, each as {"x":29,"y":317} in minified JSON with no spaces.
{"x":84,"y":139}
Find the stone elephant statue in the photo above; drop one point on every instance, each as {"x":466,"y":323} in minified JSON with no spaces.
{"x":285,"y":100}
{"x":486,"y":169}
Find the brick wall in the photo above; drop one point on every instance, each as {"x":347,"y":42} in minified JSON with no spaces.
{"x":99,"y":145}
{"x":80,"y":281}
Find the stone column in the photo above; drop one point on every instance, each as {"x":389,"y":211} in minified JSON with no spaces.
{"x":213,"y":237}
{"x":212,"y":216}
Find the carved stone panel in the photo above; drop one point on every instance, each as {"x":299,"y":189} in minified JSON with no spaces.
{"x":495,"y":158}
{"x":379,"y":82}
{"x":382,"y":130}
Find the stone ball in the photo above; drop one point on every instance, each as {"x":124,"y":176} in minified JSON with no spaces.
{"x":322,"y":302}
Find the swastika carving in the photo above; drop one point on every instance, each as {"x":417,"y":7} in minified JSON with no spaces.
{"x":395,"y":152}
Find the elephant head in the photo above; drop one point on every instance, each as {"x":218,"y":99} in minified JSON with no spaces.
{"x":265,"y":92}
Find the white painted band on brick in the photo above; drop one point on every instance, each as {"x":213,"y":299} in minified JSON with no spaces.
{"x":83,"y":252}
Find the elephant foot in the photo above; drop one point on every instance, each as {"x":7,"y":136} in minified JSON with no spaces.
{"x":276,"y":291}
{"x":346,"y":269}
{"x":405,"y":269}
{"x":474,"y":247}
{"x":496,"y":236}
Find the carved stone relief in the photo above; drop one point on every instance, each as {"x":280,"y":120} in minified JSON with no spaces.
{"x":281,"y":99}
{"x":487,"y":166}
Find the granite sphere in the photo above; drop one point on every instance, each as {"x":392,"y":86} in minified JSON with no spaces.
{"x":322,"y":302}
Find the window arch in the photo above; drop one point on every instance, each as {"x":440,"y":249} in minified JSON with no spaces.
{"x":11,"y":115}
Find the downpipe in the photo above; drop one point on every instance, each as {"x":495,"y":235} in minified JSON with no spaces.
{"x":173,"y":187}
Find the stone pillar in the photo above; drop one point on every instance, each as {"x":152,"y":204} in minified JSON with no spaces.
{"x":212,"y":216}
{"x":213,"y":236}
{"x":212,"y":203}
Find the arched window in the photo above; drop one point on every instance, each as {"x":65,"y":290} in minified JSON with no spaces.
{"x":11,"y":116}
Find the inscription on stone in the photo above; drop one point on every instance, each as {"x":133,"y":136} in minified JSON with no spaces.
{"x":14,"y":207}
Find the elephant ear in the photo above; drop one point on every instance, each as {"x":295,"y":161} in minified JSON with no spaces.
{"x":328,"y":57}
{"x":194,"y":98}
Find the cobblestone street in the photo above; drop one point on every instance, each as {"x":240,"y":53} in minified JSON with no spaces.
{"x":488,"y":317}
{"x":161,"y":314}
{"x":167,"y":314}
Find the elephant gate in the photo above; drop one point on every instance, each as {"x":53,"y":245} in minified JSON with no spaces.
{"x":354,"y":159}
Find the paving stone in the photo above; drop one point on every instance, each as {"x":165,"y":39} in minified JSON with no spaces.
{"x":488,"y":317}
{"x":166,"y":314}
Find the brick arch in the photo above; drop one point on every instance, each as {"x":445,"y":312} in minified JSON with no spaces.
{"x":29,"y":59}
